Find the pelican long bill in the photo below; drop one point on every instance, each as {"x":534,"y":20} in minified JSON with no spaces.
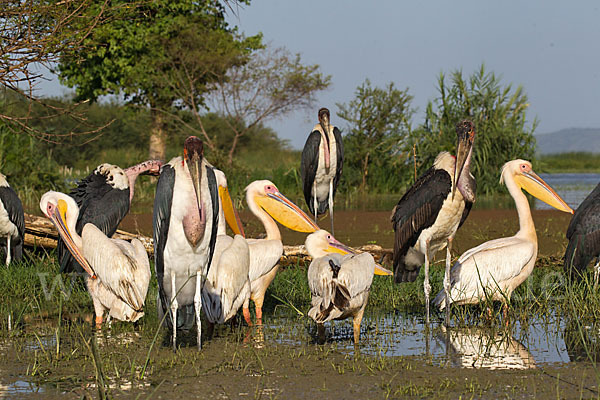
{"x":231,"y":215}
{"x":59,"y":219}
{"x":536,"y":186}
{"x":286,"y":213}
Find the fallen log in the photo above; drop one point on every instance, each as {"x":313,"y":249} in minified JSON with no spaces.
{"x":40,"y":232}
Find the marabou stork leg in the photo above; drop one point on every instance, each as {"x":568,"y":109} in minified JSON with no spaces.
{"x":447,"y":279}
{"x":426,"y":286}
{"x":331,"y":204}
{"x":7,"y":250}
{"x":198,"y":307}
{"x":596,"y":273}
{"x":174,"y":311}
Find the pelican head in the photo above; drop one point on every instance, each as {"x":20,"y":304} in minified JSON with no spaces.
{"x":522,"y":174}
{"x":193,"y":152}
{"x":62,"y":210}
{"x":465,"y":135}
{"x":322,"y":243}
{"x":266,"y":195}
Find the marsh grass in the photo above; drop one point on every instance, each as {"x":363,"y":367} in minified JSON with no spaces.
{"x":53,"y":340}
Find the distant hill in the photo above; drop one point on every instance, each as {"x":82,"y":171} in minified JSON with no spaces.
{"x":569,"y":140}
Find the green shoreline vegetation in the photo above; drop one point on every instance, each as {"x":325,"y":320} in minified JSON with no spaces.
{"x":51,"y":343}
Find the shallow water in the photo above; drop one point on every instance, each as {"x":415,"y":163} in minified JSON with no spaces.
{"x":573,"y":188}
{"x":398,"y":334}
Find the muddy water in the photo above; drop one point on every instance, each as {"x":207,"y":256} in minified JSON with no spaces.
{"x":356,"y":228}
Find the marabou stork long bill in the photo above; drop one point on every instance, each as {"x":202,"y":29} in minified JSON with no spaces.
{"x":427,"y":217}
{"x":12,"y":221}
{"x":321,"y":166}
{"x":494,"y":269}
{"x":584,"y":238}
{"x":104,"y":198}
{"x":118,"y":271}
{"x":186,"y":220}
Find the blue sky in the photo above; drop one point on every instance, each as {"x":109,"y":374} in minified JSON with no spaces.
{"x":550,"y":47}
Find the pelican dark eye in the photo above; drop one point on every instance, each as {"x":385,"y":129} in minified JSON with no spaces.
{"x":328,"y":236}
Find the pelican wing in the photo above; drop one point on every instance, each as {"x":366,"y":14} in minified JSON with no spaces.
{"x":356,"y":273}
{"x":227,"y":284}
{"x":14,"y":209}
{"x":118,"y":265}
{"x":161,"y":219}
{"x":487,"y":268}
{"x":308,"y":166}
{"x":264,"y":255}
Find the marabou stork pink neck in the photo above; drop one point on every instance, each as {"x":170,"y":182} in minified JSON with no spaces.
{"x":151,"y":167}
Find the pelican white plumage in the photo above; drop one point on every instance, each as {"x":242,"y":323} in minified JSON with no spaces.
{"x":495,"y":268}
{"x":339,"y":281}
{"x":227,"y":285}
{"x":119,"y":272}
{"x":474,"y":347}
{"x":267,"y":203}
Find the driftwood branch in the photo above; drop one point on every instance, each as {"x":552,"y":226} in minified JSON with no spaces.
{"x":40,"y":232}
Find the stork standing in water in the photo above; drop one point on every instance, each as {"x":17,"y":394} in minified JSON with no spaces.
{"x":584,"y":237}
{"x":119,"y":271}
{"x":494,"y":269}
{"x":339,"y":281}
{"x":427,"y":217}
{"x":12,"y":221}
{"x":267,"y":204}
{"x":321,"y":166}
{"x":104,"y":198}
{"x":186,"y":217}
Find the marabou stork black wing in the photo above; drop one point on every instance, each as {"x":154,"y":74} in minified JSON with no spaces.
{"x":161,"y":219}
{"x":416,"y":211}
{"x":214,"y":197}
{"x":339,"y":144}
{"x":14,"y":209}
{"x":99,"y":204}
{"x":584,"y":235}
{"x":308,"y":166}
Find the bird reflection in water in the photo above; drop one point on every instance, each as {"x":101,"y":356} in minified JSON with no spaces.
{"x":480,"y":348}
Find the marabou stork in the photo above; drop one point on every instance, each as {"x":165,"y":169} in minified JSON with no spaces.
{"x":12,"y":221}
{"x":584,"y":237}
{"x":428,"y":215}
{"x":119,"y":271}
{"x":104,"y":198}
{"x":186,"y":218}
{"x":495,"y":268}
{"x":321,"y":166}
{"x":266,"y":202}
{"x":339,"y":281}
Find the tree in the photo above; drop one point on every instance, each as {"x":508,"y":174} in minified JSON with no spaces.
{"x":499,"y":114}
{"x":142,"y":50}
{"x":378,"y":123}
{"x":33,"y":33}
{"x":272,"y":84}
